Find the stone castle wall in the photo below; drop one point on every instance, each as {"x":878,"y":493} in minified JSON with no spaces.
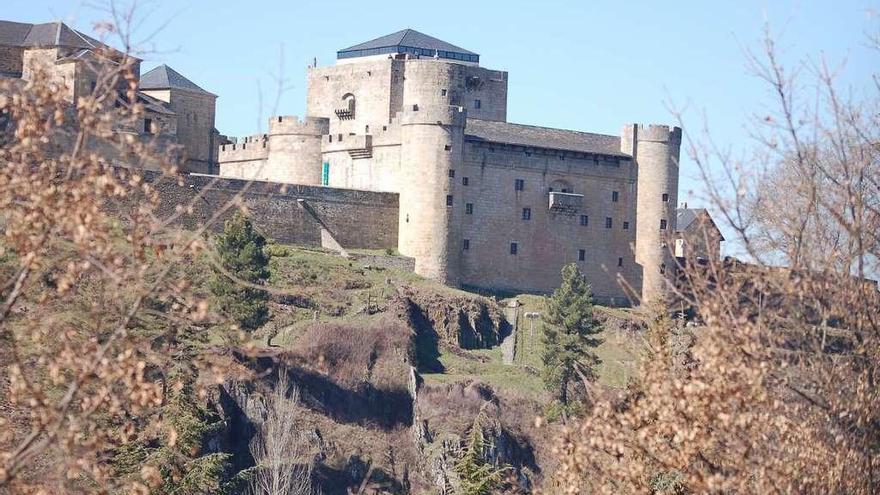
{"x":433,"y":82}
{"x":371,"y":84}
{"x":547,"y":240}
{"x":357,"y":219}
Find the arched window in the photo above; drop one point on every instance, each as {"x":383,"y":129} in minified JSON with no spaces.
{"x":346,"y":112}
{"x":560,"y":185}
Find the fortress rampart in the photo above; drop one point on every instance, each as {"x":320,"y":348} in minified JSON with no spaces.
{"x":357,"y":219}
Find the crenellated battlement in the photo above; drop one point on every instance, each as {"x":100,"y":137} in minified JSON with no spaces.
{"x":433,"y":114}
{"x":249,"y":148}
{"x":658,"y":133}
{"x":292,"y":124}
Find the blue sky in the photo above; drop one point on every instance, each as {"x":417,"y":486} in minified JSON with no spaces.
{"x":583,"y":65}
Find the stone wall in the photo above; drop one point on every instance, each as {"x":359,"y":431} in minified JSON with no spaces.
{"x":547,"y":240}
{"x":435,"y":82}
{"x":371,"y":84}
{"x":195,"y":127}
{"x":357,"y":219}
{"x":10,"y":60}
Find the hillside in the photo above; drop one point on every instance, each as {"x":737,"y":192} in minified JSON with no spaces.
{"x":391,"y":370}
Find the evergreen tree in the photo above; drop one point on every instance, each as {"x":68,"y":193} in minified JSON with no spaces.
{"x":569,"y":335}
{"x":242,"y":255}
{"x":180,"y":465}
{"x":477,"y":476}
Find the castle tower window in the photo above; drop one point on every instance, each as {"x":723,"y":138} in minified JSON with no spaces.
{"x":447,"y":147}
{"x":469,"y":209}
{"x":148,"y":126}
{"x":585,"y":220}
{"x":614,"y":196}
{"x":608,"y":222}
{"x":442,"y":92}
{"x":464,"y":181}
{"x":625,"y":225}
{"x":519,"y":184}
{"x":582,"y":254}
{"x":527,"y":214}
{"x":662,"y":224}
{"x":466,"y":244}
{"x":513,"y":248}
{"x":448,"y":200}
{"x":348,"y":107}
{"x":451,"y":172}
{"x":619,"y":261}
{"x":478,"y":103}
{"x":665,"y":198}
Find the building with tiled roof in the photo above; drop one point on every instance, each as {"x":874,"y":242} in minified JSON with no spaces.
{"x":177,"y":109}
{"x":484,"y":203}
{"x":697,"y":237}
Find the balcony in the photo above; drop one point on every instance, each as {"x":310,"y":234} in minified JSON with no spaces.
{"x":566,"y":202}
{"x":358,"y":146}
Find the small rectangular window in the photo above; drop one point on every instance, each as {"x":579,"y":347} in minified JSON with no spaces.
{"x":527,"y":214}
{"x":464,"y":181}
{"x":665,"y":198}
{"x":619,"y":261}
{"x":614,"y":196}
{"x":513,"y":248}
{"x":607,"y":222}
{"x":585,"y":220}
{"x":466,"y":244}
{"x":451,"y":172}
{"x":447,"y":147}
{"x":448,"y":200}
{"x":469,"y":208}
{"x":519,"y":184}
{"x":442,"y":92}
{"x":148,"y":126}
{"x":662,"y":224}
{"x":582,"y":254}
{"x":478,"y":104}
{"x":625,"y":225}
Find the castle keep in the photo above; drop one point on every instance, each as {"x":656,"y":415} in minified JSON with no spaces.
{"x":484,"y":203}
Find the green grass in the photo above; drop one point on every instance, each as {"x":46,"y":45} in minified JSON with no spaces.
{"x":485,"y":365}
{"x":339,"y":288}
{"x":618,"y":352}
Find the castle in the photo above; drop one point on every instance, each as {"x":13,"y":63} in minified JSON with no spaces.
{"x":481,"y":203}
{"x":484,"y":203}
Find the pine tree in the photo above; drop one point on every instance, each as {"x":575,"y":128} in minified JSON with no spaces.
{"x":179,"y":461}
{"x":569,"y":335}
{"x":477,"y":476}
{"x":241,"y":254}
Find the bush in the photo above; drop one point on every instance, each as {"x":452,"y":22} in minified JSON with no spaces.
{"x":277,"y":251}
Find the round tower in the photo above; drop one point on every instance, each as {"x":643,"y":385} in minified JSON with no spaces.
{"x":295,"y":149}
{"x":432,"y":141}
{"x":655,"y":150}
